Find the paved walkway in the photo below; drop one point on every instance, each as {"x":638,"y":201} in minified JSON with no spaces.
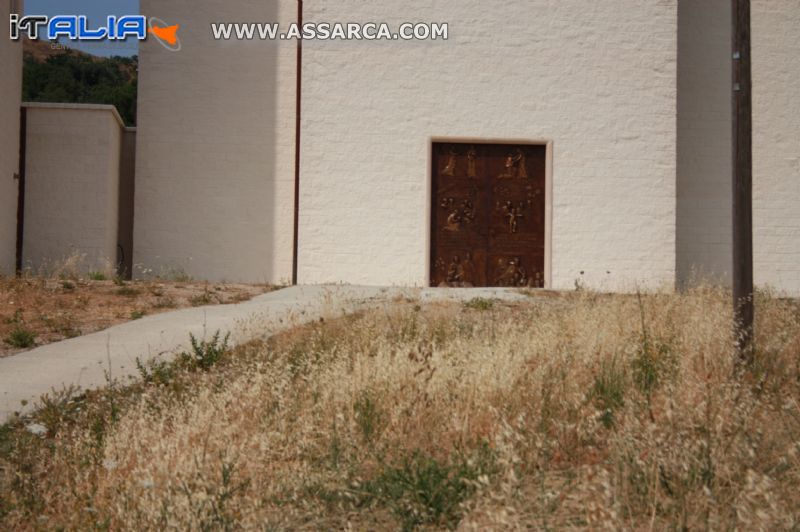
{"x":86,"y":360}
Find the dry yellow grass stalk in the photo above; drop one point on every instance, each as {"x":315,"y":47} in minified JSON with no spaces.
{"x":576,"y":411}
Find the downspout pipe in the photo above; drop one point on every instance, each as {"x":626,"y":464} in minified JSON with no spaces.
{"x":297,"y":111}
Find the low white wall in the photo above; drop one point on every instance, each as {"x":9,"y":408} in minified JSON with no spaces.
{"x":72,"y":185}
{"x":215,"y":146}
{"x":10,"y":92}
{"x":595,"y":78}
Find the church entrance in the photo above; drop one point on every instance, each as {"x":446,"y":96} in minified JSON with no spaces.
{"x":487,"y":214}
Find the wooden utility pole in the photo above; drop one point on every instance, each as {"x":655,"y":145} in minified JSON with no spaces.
{"x":742,"y":181}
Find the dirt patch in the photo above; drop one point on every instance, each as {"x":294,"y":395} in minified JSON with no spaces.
{"x":35,"y":311}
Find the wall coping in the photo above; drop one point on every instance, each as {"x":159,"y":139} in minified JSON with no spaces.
{"x":77,"y":106}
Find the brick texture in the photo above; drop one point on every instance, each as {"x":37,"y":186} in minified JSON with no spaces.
{"x":776,"y":144}
{"x":596,"y":78}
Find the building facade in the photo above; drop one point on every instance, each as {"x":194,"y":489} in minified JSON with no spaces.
{"x":596,"y":82}
{"x":542,"y":144}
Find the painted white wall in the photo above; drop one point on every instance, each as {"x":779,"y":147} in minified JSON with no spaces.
{"x":776,"y":144}
{"x":215,"y":146}
{"x":704,"y":232}
{"x":10,"y":92}
{"x":72,"y":185}
{"x":596,"y":78}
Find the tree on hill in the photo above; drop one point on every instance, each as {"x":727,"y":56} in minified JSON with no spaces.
{"x":81,"y":78}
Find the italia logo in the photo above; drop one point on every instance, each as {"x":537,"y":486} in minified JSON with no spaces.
{"x":77,"y":28}
{"x":166,"y":35}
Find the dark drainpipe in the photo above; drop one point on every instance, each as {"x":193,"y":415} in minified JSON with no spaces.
{"x":298,"y":87}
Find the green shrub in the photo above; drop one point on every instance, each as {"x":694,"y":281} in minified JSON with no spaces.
{"x":21,"y":337}
{"x":97,"y":276}
{"x":479,"y":303}
{"x":206,"y":353}
{"x":654,"y":362}
{"x":58,"y":407}
{"x":608,"y":390}
{"x":421,"y":490}
{"x":155,"y":371}
{"x":369,"y":416}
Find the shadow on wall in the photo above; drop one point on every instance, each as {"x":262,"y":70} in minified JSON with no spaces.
{"x":210,"y":179}
{"x":704,"y":233}
{"x":127,"y":188}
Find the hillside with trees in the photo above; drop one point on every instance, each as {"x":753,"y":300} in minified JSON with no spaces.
{"x":53,"y":73}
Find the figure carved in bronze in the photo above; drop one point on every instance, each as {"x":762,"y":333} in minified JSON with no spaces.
{"x":512,"y":273}
{"x":468,"y":211}
{"x":472,"y":171}
{"x":457,"y":215}
{"x":450,"y":167}
{"x":522,"y":171}
{"x":513,"y":214}
{"x":453,"y":222}
{"x":460,"y":273}
{"x":454,"y":271}
{"x":514,"y":166}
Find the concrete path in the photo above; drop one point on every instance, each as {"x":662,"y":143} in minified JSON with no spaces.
{"x":86,"y":361}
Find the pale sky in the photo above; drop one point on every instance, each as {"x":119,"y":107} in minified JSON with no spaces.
{"x":96,"y":11}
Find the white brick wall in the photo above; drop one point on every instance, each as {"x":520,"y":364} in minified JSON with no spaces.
{"x":776,"y":143}
{"x":215,"y":156}
{"x":596,"y":78}
{"x":71,"y":188}
{"x":10,"y":91}
{"x":215,"y":146}
{"x":704,"y":232}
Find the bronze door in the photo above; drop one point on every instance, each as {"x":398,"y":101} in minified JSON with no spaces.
{"x":487,"y":215}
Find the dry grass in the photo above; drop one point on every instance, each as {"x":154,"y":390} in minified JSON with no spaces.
{"x":40,"y":309}
{"x":582,"y":411}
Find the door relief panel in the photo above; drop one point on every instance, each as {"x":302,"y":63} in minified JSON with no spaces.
{"x":487,"y":217}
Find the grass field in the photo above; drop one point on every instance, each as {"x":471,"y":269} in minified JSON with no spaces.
{"x":575,"y":411}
